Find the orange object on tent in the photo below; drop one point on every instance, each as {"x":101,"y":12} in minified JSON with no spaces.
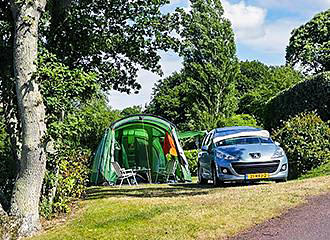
{"x":169,"y":146}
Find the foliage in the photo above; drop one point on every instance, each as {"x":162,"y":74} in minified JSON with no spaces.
{"x":309,"y":45}
{"x":112,"y":38}
{"x":76,"y":136}
{"x":309,"y":95}
{"x":210,"y":63}
{"x":239,"y":120}
{"x":252,"y":75}
{"x":7,"y":167}
{"x":306,"y":141}
{"x":71,"y":181}
{"x":323,"y":170}
{"x":63,"y":89}
{"x":273,"y":81}
{"x":192,"y":158}
{"x":204,"y":91}
{"x":85,"y":126}
{"x":74,"y":171}
{"x":136,"y":109}
{"x":170,"y":100}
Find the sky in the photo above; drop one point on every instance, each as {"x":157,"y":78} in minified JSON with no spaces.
{"x":262,"y":30}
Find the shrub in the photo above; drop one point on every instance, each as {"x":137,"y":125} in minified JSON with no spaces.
{"x":310,"y":95}
{"x":306,"y":141}
{"x":67,"y":183}
{"x":239,"y":120}
{"x":323,"y":170}
{"x":192,"y":157}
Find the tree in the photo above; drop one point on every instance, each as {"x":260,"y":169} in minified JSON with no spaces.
{"x":252,"y":74}
{"x":204,"y":91}
{"x":32,"y":165}
{"x":309,"y":45}
{"x":210,"y":63}
{"x":112,"y":38}
{"x":170,"y":99}
{"x":136,"y":109}
{"x":258,"y":83}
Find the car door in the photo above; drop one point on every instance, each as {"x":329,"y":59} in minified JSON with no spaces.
{"x":205,"y":157}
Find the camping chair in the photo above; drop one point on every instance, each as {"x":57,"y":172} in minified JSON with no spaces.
{"x":169,"y":170}
{"x":123,"y":173}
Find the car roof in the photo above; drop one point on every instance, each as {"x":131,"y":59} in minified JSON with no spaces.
{"x":233,"y":130}
{"x":239,"y":131}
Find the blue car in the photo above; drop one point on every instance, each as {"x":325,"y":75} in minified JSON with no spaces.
{"x":241,"y":154}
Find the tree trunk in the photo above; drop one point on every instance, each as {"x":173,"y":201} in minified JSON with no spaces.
{"x":32,"y":164}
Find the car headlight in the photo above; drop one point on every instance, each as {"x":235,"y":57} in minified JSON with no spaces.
{"x":278,"y":153}
{"x":225,"y":156}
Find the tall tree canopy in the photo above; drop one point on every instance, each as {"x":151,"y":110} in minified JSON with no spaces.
{"x":204,"y":91}
{"x":112,"y":38}
{"x":210,"y":62}
{"x":309,"y":44}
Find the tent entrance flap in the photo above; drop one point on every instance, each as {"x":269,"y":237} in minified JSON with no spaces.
{"x":141,"y":148}
{"x":138,"y":145}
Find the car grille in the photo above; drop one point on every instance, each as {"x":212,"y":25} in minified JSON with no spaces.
{"x":256,"y":167}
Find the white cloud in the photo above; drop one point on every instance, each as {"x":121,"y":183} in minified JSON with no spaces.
{"x":276,"y":37}
{"x":247,"y":20}
{"x":253,"y":31}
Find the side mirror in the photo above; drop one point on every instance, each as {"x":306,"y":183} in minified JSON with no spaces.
{"x":205,"y":148}
{"x":277,"y":143}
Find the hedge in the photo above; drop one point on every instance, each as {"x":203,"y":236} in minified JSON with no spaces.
{"x":192,"y":157}
{"x":310,"y":95}
{"x":306,"y":141}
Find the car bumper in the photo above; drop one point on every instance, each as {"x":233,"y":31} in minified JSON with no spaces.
{"x":232,"y":175}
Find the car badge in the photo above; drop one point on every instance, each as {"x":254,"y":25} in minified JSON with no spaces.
{"x":255,"y":155}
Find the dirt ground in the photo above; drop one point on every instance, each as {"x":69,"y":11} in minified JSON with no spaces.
{"x":306,"y":222}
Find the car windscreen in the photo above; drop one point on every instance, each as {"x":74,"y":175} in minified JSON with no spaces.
{"x":243,"y":140}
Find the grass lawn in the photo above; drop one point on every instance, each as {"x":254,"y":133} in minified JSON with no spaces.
{"x":181,"y":211}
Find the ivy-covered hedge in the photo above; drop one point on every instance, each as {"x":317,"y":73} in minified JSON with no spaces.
{"x":306,"y":141}
{"x":192,"y":157}
{"x":309,"y":95}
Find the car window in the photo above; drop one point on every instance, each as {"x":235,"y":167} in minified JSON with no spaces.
{"x":209,"y":140}
{"x":204,"y":140}
{"x":238,"y":141}
{"x":266,"y":140}
{"x":254,"y":140}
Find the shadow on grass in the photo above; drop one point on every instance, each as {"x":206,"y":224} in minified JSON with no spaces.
{"x":170,"y":190}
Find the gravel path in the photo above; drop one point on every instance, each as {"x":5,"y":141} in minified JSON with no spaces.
{"x":310,"y":221}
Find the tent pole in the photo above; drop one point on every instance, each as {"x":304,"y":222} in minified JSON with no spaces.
{"x":147,"y":151}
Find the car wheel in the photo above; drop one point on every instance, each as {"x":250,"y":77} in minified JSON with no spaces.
{"x":201,"y":180}
{"x":281,"y":180}
{"x":216,"y":180}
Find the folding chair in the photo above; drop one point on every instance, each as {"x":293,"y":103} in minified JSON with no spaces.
{"x":123,"y":173}
{"x":169,"y":171}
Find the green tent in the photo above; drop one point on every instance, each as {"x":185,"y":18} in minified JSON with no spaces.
{"x":142,"y":142}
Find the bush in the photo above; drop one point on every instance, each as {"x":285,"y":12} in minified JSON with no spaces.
{"x":69,"y":181}
{"x":239,"y":120}
{"x":323,"y":170}
{"x":310,"y":95}
{"x":192,"y":158}
{"x":306,"y":141}
{"x":68,"y":168}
